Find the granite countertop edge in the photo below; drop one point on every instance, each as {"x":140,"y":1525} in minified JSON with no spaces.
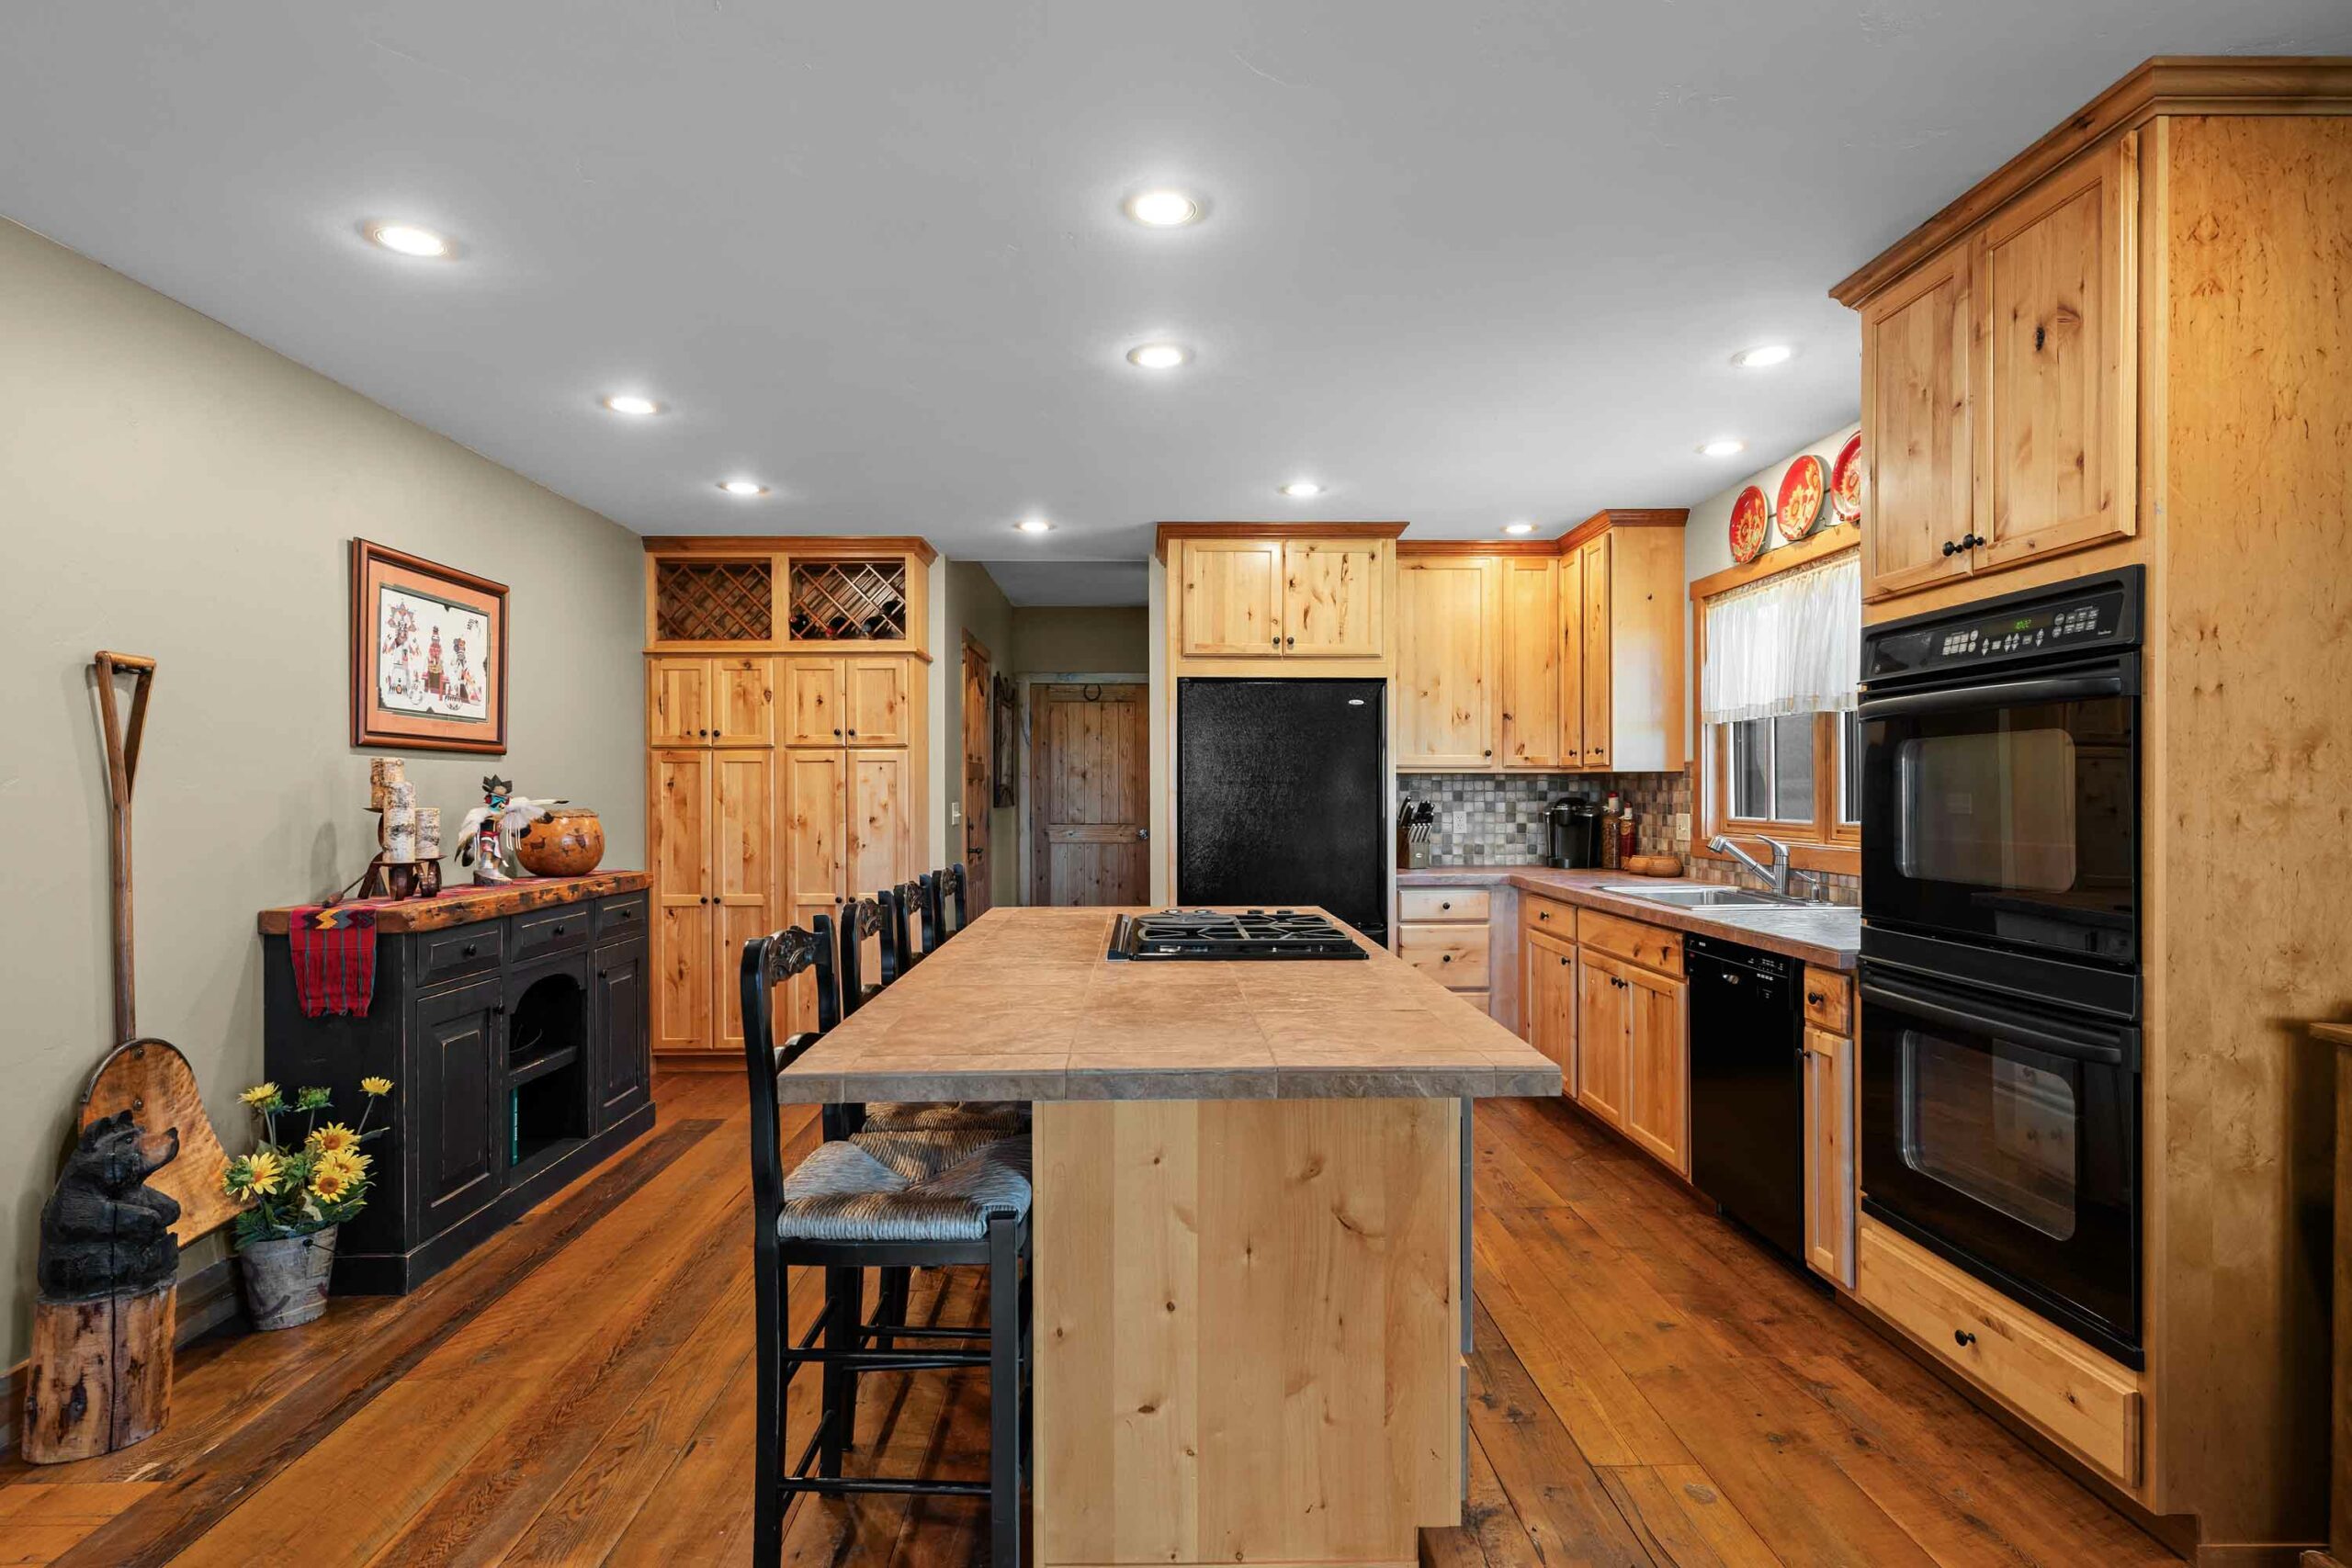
{"x":1583,"y":888}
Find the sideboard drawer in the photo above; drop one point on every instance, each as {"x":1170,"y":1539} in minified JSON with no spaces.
{"x":621,"y":917}
{"x":552,"y":930}
{"x":461,"y":950}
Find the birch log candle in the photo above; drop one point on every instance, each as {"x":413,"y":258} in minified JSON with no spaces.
{"x":399,"y":835}
{"x":383,"y":772}
{"x":428,"y":832}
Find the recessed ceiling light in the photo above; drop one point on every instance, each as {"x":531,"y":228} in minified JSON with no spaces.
{"x":630,"y":403}
{"x":1163,"y":208}
{"x":1519,"y":527}
{"x":1722,"y":446}
{"x":1301,"y":489}
{"x":1758,"y":358}
{"x":1034,"y":525}
{"x":743,"y":487}
{"x":409,"y":240}
{"x":1158,"y":355}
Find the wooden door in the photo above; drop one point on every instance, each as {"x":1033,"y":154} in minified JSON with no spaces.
{"x":460,"y":1067}
{"x":1531,"y":661}
{"x":1593,"y":568}
{"x":815,"y":702}
{"x":677,"y":701}
{"x":678,"y":846}
{"x":879,"y":712}
{"x":978,"y":788}
{"x":2060,"y":381}
{"x":1331,"y":599}
{"x":1602,"y":1050}
{"x":1549,"y":966}
{"x":743,"y":874}
{"x":1657,"y":1100}
{"x":1445,"y":661}
{"x":1087,"y":795}
{"x":1918,"y":413}
{"x":1830,"y":1178}
{"x":621,"y":1070}
{"x":881,"y":837}
{"x":1232,"y":597}
{"x":1569,"y":592}
{"x":742,"y":709}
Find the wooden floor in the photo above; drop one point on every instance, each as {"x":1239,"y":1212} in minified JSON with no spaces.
{"x":1649,"y":1388}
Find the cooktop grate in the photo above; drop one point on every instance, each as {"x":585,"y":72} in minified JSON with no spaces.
{"x":1214,"y":935}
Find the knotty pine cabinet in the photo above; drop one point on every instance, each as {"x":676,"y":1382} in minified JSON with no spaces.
{"x":1556,"y":658}
{"x":2000,"y":384}
{"x":1605,"y":997}
{"x":1282,"y":597}
{"x":712,"y":847}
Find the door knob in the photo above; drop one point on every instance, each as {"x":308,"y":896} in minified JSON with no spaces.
{"x":1143,"y":832}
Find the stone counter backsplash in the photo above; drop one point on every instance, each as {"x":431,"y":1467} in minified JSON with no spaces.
{"x":1497,"y":818}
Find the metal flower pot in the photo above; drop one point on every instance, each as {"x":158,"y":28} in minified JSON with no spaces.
{"x":286,"y":1277}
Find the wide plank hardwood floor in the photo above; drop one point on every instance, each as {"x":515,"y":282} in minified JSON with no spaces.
{"x":1649,"y":1388}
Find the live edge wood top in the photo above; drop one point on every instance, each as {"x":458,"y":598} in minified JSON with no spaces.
{"x":1824,"y":935}
{"x":1023,"y":1005}
{"x":463,"y":906}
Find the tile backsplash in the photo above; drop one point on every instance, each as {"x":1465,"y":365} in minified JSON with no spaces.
{"x":1497,"y":818}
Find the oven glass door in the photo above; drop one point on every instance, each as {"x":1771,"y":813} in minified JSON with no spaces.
{"x":2006,"y":812}
{"x":2006,"y":1138}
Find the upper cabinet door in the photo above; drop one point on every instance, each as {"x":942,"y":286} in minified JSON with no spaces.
{"x":877,"y":693}
{"x":1571,"y":602}
{"x":743,"y":709}
{"x":1331,"y":599}
{"x":1593,"y":566}
{"x":677,"y":701}
{"x":1531,"y":661}
{"x":2057,"y":271}
{"x":815,"y":702}
{"x":1445,"y":661}
{"x":1917,"y":425}
{"x":1232,"y":597}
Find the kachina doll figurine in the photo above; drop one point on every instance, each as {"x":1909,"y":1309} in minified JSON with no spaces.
{"x":486,"y":838}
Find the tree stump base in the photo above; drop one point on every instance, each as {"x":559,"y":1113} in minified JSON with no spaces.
{"x":100,"y":1375}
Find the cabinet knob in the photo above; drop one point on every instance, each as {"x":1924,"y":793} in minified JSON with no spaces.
{"x":603,"y":973}
{"x":1814,"y":998}
{"x":1290,"y":642}
{"x":836,"y":732}
{"x":1969,"y":541}
{"x":469,"y":950}
{"x":1962,"y":1338}
{"x":1543,"y":914}
{"x":853,"y":732}
{"x":1487,"y":752}
{"x":1445,"y":958}
{"x":559,"y":927}
{"x":1445,"y":904}
{"x":1950,"y":547}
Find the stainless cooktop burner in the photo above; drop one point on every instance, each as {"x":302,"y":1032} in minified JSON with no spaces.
{"x":1210,"y":934}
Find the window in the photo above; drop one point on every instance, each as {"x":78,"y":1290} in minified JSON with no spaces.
{"x":1767,"y":644}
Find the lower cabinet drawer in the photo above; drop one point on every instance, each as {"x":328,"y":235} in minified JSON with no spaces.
{"x":1434,"y":903}
{"x":2071,"y":1392}
{"x":1454,"y":956}
{"x":1652,"y":947}
{"x":1537,"y":913}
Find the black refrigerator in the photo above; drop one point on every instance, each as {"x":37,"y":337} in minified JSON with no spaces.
{"x":1282,"y":796}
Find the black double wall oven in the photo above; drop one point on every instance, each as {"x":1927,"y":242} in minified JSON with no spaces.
{"x":2000,"y":962}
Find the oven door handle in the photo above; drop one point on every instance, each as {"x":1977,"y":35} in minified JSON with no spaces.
{"x":2109,"y":683}
{"x":2060,"y":1040}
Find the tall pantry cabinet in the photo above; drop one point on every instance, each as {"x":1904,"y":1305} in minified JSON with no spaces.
{"x":785,"y":731}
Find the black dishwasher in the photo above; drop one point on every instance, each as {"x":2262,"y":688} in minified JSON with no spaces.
{"x":1748,"y":1086}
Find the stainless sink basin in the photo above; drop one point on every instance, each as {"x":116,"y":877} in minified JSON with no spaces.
{"x":1704,"y":897}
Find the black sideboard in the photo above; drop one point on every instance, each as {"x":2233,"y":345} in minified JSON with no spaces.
{"x":513,"y":1022}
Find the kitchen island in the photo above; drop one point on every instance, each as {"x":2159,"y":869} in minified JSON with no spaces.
{"x":1252,"y":1183}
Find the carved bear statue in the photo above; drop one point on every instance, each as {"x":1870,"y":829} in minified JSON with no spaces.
{"x":102,"y":1231}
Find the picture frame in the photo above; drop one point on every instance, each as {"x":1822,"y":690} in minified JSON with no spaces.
{"x":428,"y":654}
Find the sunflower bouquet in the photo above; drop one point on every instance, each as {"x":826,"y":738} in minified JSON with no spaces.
{"x":294,"y":1189}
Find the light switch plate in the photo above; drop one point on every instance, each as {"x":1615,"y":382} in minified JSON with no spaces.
{"x":955,"y":812}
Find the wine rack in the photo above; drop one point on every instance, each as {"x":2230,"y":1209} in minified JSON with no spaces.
{"x":848,"y":600}
{"x":698,"y":600}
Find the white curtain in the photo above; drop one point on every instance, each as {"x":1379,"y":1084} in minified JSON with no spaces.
{"x":1790,"y":643}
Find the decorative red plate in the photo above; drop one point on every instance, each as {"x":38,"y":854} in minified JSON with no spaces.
{"x":1800,"y":492}
{"x":1845,"y":481}
{"x":1750,"y":515}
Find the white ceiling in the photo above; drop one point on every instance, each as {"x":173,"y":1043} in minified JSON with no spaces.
{"x":1046,"y":581}
{"x":1464,"y":262}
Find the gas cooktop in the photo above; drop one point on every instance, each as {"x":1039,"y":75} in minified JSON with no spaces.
{"x":1208,"y":934}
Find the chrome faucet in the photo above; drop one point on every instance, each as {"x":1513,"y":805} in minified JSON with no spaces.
{"x":1777,"y":874}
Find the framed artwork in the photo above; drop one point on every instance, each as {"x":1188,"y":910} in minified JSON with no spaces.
{"x":428,"y":654}
{"x":1007,"y":726}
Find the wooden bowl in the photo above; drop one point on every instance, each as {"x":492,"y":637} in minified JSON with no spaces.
{"x":565,"y":842}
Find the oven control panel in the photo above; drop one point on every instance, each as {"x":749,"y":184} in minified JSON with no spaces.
{"x":2023,"y":626}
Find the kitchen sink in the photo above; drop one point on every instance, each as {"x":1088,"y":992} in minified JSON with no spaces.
{"x":1704,"y":897}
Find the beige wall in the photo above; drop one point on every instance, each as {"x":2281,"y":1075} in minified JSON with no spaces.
{"x":170,"y":487}
{"x":1110,"y":641}
{"x":976,"y":607}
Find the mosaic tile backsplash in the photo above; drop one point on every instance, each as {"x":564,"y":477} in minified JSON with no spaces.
{"x":1497,"y":818}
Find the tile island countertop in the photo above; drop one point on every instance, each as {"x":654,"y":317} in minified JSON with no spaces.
{"x":1024,"y":1005}
{"x":1827,"y":935}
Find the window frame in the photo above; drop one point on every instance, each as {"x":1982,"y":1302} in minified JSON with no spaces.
{"x":1825,"y":843}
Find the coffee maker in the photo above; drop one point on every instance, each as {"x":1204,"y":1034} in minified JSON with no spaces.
{"x":1573,"y":832}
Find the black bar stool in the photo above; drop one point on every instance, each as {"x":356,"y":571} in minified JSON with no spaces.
{"x":887,"y":1201}
{"x":901,"y":909}
{"x":997,"y":1116}
{"x":941,"y":890}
